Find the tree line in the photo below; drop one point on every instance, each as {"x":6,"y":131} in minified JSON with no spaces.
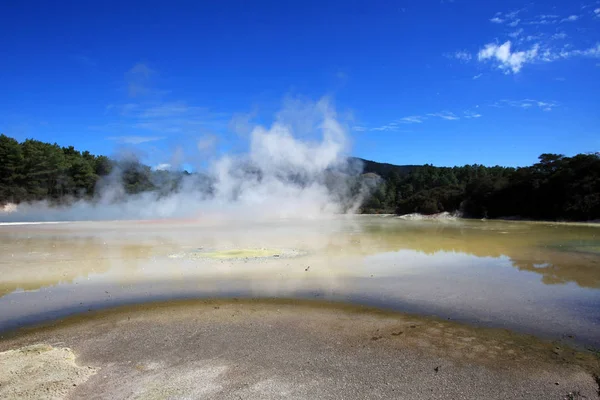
{"x":556,"y":187}
{"x":33,"y":170}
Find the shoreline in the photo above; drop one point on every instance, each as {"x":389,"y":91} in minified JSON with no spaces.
{"x":308,"y":346}
{"x":450,"y":217}
{"x":402,"y":217}
{"x":579,"y":340}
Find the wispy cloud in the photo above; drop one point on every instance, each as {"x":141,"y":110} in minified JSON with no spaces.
{"x":471,"y":115}
{"x":445,"y":115}
{"x":510,"y":18}
{"x":413,"y":119}
{"x":593,"y":52}
{"x":510,"y":55}
{"x":461,"y":55}
{"x":516,"y":34}
{"x":138,"y":79}
{"x":534,"y":37}
{"x":135,"y":139}
{"x":477,"y":76}
{"x":506,"y":59}
{"x":549,"y":55}
{"x":597,"y":12}
{"x":570,"y":18}
{"x":162,"y":167}
{"x":527,"y":104}
{"x":544,"y":19}
{"x":166,"y":110}
{"x":165,"y":118}
{"x":396,"y":126}
{"x":152,"y":118}
{"x":559,"y":36}
{"x":392,"y":126}
{"x":206,"y":143}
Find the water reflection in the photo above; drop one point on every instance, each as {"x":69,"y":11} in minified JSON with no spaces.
{"x":488,"y":271}
{"x":560,"y":253}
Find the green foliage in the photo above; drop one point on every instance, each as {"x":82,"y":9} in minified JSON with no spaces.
{"x":556,"y":187}
{"x":34,"y":170}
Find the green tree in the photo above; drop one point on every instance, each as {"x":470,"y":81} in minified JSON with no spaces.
{"x":11,"y":165}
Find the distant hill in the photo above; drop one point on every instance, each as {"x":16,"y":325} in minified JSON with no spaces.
{"x":555,"y":188}
{"x":384,"y":169}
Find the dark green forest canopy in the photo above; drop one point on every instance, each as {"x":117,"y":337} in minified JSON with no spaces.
{"x":556,"y":187}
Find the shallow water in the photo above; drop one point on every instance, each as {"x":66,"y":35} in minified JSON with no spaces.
{"x":538,"y":278}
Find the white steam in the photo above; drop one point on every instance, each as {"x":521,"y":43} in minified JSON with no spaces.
{"x":297,"y":168}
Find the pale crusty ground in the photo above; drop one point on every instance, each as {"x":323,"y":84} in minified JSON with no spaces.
{"x":301,"y":350}
{"x":40,"y":372}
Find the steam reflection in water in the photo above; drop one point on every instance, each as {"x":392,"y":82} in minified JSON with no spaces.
{"x":540,"y":278}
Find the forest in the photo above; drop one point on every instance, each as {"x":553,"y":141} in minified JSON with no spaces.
{"x":554,"y":188}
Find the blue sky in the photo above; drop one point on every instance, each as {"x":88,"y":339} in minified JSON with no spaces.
{"x":442,"y":82}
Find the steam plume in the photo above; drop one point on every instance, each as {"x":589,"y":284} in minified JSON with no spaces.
{"x":297,"y":168}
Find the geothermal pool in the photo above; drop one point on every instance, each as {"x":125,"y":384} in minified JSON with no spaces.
{"x":538,"y":278}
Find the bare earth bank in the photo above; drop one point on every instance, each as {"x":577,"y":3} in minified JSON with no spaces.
{"x":283,"y":349}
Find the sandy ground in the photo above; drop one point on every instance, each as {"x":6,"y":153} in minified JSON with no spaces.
{"x":40,"y":371}
{"x":284,"y":349}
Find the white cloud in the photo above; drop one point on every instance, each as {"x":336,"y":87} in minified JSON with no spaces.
{"x":445,"y":115}
{"x":462,"y":55}
{"x":544,"y":19}
{"x":477,"y":76}
{"x":570,"y":18}
{"x":163,"y":167}
{"x":527,"y":104}
{"x":471,"y":115}
{"x":413,"y":119}
{"x":546,"y":106}
{"x":510,"y":18}
{"x":560,"y":35}
{"x":391,"y":127}
{"x":592,"y":52}
{"x":547,"y":16}
{"x":597,"y":12}
{"x":507,"y":60}
{"x":135,"y":139}
{"x":531,"y":38}
{"x":383,"y":128}
{"x":513,"y":14}
{"x":516,"y":34}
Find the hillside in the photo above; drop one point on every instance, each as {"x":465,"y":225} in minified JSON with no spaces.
{"x":383,"y":169}
{"x":556,"y":187}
